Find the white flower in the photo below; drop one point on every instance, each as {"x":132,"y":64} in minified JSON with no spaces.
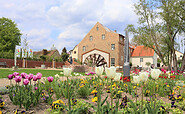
{"x":99,"y":70}
{"x":57,"y":76}
{"x":155,"y":73}
{"x":110,"y":72}
{"x":61,"y":73}
{"x":143,"y":76}
{"x":67,"y":71}
{"x":117,"y":77}
{"x":136,"y":79}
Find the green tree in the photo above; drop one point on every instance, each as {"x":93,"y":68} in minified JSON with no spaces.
{"x":159,"y":23}
{"x":64,"y":50}
{"x":10,"y":36}
{"x":65,"y":57}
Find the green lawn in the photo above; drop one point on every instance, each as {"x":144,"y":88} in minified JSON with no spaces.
{"x":45,"y":73}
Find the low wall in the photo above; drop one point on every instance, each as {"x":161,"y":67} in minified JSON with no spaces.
{"x":30,"y":63}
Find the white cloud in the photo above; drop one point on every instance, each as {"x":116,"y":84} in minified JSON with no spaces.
{"x":66,"y":22}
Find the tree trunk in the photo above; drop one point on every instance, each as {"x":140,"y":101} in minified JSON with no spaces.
{"x":183,"y":62}
{"x":174,"y":61}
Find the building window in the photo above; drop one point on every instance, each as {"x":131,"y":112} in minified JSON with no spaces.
{"x":103,"y":36}
{"x":97,"y":28}
{"x":74,"y":52}
{"x":121,"y":39}
{"x":91,"y":38}
{"x":121,"y":58}
{"x":83,"y":48}
{"x":113,"y":46}
{"x":141,"y":59}
{"x":112,"y":61}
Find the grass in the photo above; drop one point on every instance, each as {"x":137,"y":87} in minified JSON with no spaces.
{"x":45,"y":73}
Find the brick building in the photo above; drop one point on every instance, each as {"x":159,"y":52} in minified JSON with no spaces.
{"x":101,"y":47}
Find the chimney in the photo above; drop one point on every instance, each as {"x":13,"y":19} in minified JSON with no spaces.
{"x":115,"y":30}
{"x":44,"y":52}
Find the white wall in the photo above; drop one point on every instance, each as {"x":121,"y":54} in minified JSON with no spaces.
{"x":73,"y":54}
{"x":136,"y":61}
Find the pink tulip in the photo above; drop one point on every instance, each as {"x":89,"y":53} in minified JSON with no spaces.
{"x":35,"y":88}
{"x":39,"y":75}
{"x":23,"y":75}
{"x":162,"y":70}
{"x":26,"y":81}
{"x":18,"y":78}
{"x":172,"y":71}
{"x":27,"y":76}
{"x":30,"y":76}
{"x":34,"y":78}
{"x":16,"y":74}
{"x":50,"y":79}
{"x":10,"y":76}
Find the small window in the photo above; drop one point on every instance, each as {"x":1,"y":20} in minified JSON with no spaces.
{"x":113,"y":46}
{"x":141,"y":59}
{"x":91,"y":38}
{"x":84,"y":48}
{"x":97,"y":28}
{"x":112,"y":61}
{"x":121,"y":58}
{"x":103,"y":36}
{"x":74,"y":52}
{"x":121,"y":39}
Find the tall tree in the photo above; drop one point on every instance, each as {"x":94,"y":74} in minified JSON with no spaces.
{"x":10,"y":36}
{"x":158,"y":27}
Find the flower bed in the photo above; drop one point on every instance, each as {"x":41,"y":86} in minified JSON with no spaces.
{"x":149,"y":92}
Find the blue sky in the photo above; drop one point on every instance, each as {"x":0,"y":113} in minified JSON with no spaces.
{"x":64,"y":23}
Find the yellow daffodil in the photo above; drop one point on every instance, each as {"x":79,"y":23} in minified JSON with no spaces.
{"x":134,"y":87}
{"x":167,"y":86}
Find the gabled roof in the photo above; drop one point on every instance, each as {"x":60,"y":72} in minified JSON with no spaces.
{"x":49,"y":53}
{"x":142,"y":51}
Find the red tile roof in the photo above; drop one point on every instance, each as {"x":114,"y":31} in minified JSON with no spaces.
{"x":142,"y":51}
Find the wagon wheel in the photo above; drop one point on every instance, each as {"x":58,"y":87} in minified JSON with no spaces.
{"x":95,"y":60}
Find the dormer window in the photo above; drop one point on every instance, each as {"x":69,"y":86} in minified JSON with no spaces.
{"x":91,"y":38}
{"x":97,"y":28}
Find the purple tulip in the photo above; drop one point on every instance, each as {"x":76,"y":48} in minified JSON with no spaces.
{"x":30,"y":76}
{"x":18,"y":78}
{"x":16,"y":74}
{"x":27,"y":76}
{"x":39,"y":75}
{"x":50,"y":79}
{"x":26,"y":81}
{"x":34,"y":78}
{"x":10,"y":76}
{"x":23,"y":75}
{"x":35,"y":88}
